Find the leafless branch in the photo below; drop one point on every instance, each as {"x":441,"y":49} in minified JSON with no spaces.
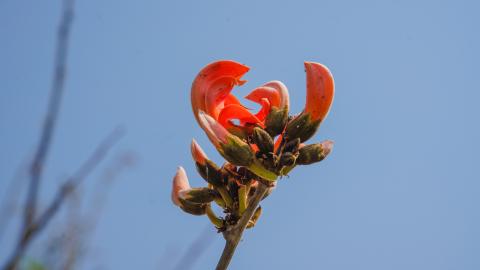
{"x":29,"y":233}
{"x":58,"y":86}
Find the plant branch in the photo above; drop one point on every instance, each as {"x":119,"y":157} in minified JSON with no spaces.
{"x":58,"y":86}
{"x":37,"y":225}
{"x":233,"y":234}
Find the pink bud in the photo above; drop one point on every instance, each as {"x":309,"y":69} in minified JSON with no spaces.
{"x":180,"y":183}
{"x":327,"y":147}
{"x":214,"y":130}
{"x":197,"y":153}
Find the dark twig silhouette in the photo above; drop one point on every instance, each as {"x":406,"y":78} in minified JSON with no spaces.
{"x":35,"y":221}
{"x":38,"y":224}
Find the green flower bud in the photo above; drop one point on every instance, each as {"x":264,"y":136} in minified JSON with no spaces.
{"x":287,"y":159}
{"x":192,"y":208}
{"x":301,"y":127}
{"x":314,"y":152}
{"x":292,"y":146}
{"x":276,"y":121}
{"x":237,"y":151}
{"x":210,"y":172}
{"x":263,"y":140}
{"x":199,"y":195}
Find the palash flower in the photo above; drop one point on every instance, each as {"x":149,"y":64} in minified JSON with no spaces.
{"x":259,"y":147}
{"x":215,"y":107}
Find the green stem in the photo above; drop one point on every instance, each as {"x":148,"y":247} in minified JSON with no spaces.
{"x":233,"y":234}
{"x":225,"y":196}
{"x":242,"y":199}
{"x":213,"y":218}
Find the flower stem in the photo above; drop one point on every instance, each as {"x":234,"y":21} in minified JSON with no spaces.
{"x":233,"y":234}
{"x":242,"y":199}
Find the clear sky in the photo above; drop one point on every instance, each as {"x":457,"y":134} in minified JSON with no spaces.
{"x":399,"y":191}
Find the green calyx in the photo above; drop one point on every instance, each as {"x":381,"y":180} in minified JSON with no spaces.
{"x":263,"y":140}
{"x":210,"y":172}
{"x":237,"y":151}
{"x":302,"y":127}
{"x":311,"y":153}
{"x":200,"y":195}
{"x":276,"y":121}
{"x":258,"y":169}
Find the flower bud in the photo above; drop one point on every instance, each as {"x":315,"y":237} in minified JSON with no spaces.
{"x":180,"y":182}
{"x":210,"y":172}
{"x":287,"y":159}
{"x":263,"y":140}
{"x":193,"y":208}
{"x":301,"y":127}
{"x":237,"y":151}
{"x":292,"y":146}
{"x":276,"y":121}
{"x":199,"y":195}
{"x":197,"y":153}
{"x":232,"y":148}
{"x":314,"y":152}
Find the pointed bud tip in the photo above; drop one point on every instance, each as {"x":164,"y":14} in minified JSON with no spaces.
{"x":180,"y":182}
{"x":327,"y":146}
{"x":214,"y":130}
{"x":197,"y":153}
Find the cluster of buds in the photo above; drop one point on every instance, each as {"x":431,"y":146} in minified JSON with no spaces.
{"x":258,"y":148}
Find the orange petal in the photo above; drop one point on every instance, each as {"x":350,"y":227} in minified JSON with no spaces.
{"x":282,"y":91}
{"x":231,"y":99}
{"x":215,"y":79}
{"x":265,"y":110}
{"x":235,"y":111}
{"x":261,"y":92}
{"x":275,"y":91}
{"x":320,"y":90}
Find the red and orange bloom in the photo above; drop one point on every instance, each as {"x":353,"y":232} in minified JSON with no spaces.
{"x":258,"y":146}
{"x":215,"y":107}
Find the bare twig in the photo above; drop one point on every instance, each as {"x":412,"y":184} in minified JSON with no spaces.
{"x":10,"y":205}
{"x":42,"y":221}
{"x":58,"y":86}
{"x":36,"y":167}
{"x":233,"y":235}
{"x":90,"y":220}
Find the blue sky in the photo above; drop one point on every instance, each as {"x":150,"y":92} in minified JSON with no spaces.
{"x":399,"y":191}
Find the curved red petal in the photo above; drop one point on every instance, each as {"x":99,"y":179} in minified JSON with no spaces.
{"x":235,"y":111}
{"x":267,"y":92}
{"x":265,"y":110}
{"x":320,"y":90}
{"x":220,"y":75}
{"x":282,"y":91}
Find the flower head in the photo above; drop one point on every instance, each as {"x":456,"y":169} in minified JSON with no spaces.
{"x":259,"y":146}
